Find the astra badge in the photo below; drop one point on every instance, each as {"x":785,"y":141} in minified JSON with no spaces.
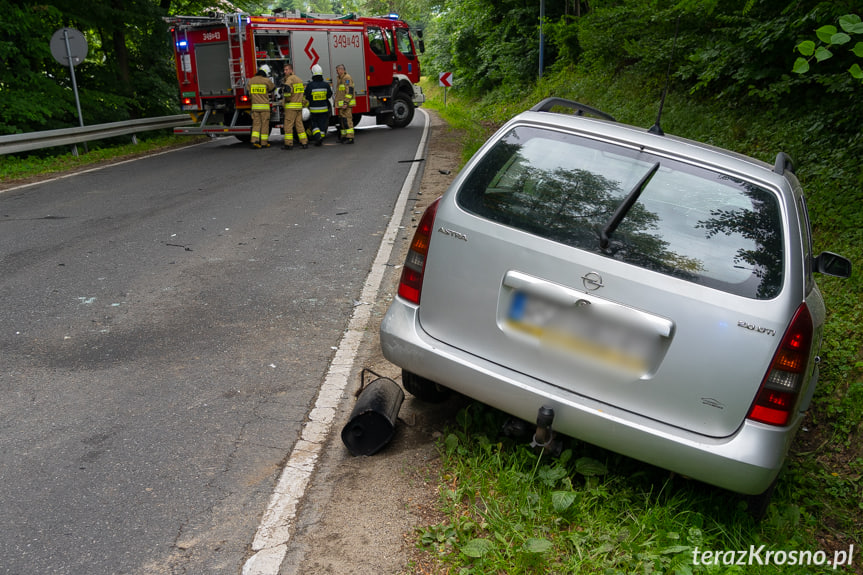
{"x":452,"y":233}
{"x":753,"y":327}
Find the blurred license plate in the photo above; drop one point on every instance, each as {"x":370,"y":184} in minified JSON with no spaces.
{"x":582,"y":329}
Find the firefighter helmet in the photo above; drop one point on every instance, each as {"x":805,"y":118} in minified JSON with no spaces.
{"x":266,"y":70}
{"x":317,"y":70}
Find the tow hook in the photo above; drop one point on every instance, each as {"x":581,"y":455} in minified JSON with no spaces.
{"x":544,"y":439}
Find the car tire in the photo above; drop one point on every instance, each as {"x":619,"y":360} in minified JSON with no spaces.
{"x":756,"y":505}
{"x":424,"y":389}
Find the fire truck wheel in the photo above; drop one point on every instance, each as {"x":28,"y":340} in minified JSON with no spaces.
{"x":244,"y":119}
{"x":403,"y":110}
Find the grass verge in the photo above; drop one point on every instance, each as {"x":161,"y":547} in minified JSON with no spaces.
{"x":20,"y":168}
{"x":592,"y":511}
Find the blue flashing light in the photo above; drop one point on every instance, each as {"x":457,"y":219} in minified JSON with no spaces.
{"x":182,"y":44}
{"x":393,"y":16}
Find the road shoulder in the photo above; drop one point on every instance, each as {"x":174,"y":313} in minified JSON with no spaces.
{"x":360,"y":514}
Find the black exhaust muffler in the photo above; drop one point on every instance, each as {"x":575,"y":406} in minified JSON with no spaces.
{"x":373,"y":420}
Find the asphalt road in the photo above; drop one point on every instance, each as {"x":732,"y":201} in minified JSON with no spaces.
{"x":165,"y":326}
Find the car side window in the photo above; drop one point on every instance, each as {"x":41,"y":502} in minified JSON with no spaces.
{"x":688,"y":222}
{"x":806,"y":230}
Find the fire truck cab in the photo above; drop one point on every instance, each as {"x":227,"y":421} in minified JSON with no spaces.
{"x":216,"y":55}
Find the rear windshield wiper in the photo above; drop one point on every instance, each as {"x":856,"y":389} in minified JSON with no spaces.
{"x":624,"y":208}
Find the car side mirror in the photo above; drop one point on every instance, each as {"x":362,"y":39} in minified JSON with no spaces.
{"x":832,"y":264}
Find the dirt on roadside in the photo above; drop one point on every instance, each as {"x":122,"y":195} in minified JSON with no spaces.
{"x":361,"y":514}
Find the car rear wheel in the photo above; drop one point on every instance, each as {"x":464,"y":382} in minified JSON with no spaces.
{"x":757,"y":505}
{"x":424,"y":389}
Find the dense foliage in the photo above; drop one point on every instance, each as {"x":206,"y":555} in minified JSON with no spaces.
{"x":734,"y":83}
{"x":128,"y":72}
{"x":741,"y":52}
{"x":129,"y":69}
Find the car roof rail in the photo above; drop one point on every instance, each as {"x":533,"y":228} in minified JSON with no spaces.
{"x":783,"y":162}
{"x":580,"y":109}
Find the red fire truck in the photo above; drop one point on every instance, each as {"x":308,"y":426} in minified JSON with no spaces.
{"x":216,"y":55}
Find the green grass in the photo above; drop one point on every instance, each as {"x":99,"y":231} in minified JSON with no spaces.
{"x":511,"y":511}
{"x":15,"y":167}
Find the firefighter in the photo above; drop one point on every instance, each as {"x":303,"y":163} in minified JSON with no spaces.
{"x":293,"y":92}
{"x":318,"y":93}
{"x":260,"y":89}
{"x":345,"y":100}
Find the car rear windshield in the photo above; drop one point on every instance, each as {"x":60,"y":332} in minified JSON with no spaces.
{"x":664,"y":215}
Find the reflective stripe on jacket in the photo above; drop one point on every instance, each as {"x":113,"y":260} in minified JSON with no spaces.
{"x":318,"y":93}
{"x":259,"y":90}
{"x":294,"y":92}
{"x":345,"y":91}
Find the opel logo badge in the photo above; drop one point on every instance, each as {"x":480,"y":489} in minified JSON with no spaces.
{"x":592,"y":281}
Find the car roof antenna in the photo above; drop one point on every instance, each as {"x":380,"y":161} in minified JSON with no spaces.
{"x":656,"y":128}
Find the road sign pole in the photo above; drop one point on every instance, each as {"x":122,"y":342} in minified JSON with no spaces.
{"x":74,"y":89}
{"x":445,"y":81}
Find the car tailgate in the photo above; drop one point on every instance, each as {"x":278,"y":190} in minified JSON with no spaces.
{"x":661,"y":347}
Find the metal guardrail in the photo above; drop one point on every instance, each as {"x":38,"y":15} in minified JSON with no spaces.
{"x":14,"y":143}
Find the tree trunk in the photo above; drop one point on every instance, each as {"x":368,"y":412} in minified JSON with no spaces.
{"x":121,"y":51}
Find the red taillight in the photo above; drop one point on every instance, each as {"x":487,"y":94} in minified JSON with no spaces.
{"x":187,"y":101}
{"x":780,"y":390}
{"x":244,"y":98}
{"x":411,"y":283}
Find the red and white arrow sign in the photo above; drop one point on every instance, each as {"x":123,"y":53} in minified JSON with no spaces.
{"x":445,"y":80}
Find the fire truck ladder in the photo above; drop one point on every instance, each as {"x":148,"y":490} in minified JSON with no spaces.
{"x":236,"y":35}
{"x":236,"y":66}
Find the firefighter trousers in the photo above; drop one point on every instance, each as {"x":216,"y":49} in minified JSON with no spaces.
{"x":320,"y":124}
{"x":346,"y":123}
{"x":260,"y":126}
{"x":294,"y":121}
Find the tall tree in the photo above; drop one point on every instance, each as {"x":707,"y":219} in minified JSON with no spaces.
{"x":488,"y":43}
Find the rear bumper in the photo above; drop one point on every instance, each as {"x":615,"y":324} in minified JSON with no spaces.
{"x":746,"y":462}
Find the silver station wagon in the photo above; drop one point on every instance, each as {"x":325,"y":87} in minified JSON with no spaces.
{"x":644,"y":293}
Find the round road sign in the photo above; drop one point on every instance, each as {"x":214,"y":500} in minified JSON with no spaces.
{"x":77,"y":46}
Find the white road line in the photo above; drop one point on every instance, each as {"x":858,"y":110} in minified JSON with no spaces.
{"x":274,"y":532}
